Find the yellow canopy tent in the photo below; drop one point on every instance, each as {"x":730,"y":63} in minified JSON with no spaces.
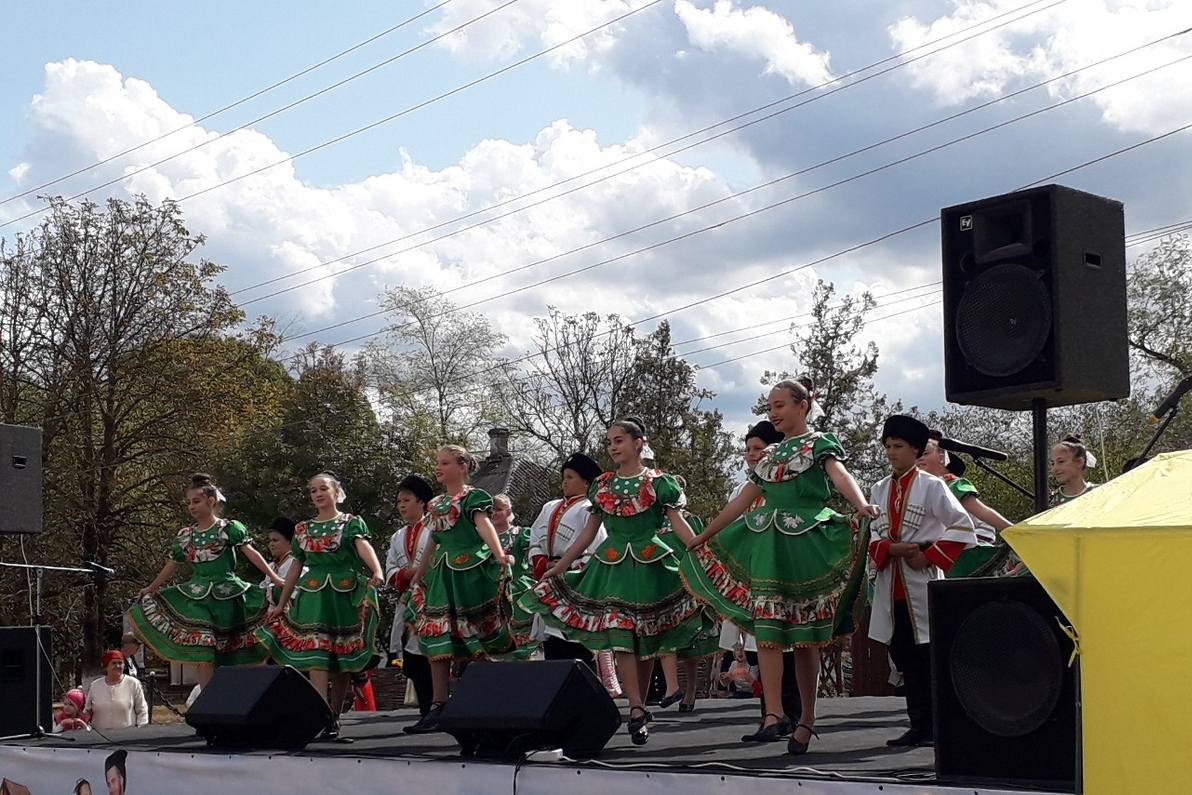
{"x":1117,"y":562}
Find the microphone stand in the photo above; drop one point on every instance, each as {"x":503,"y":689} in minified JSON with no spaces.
{"x":1030,"y":495}
{"x":1158,"y":433}
{"x":39,"y":571}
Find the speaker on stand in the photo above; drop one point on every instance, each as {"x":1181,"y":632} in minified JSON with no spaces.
{"x":1005,"y":684}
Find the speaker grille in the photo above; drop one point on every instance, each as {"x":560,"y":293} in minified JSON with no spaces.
{"x":1007,"y":668}
{"x":1003,"y":320}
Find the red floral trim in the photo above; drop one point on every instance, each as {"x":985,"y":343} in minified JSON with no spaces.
{"x":768,"y":607}
{"x":483,"y":621}
{"x":597,"y":616}
{"x":445,"y":511}
{"x":621,"y":505}
{"x":222,"y":639}
{"x":343,"y":641}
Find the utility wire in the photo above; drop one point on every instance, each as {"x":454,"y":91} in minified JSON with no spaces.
{"x":226,"y":108}
{"x":661,"y":150}
{"x":239,"y":177}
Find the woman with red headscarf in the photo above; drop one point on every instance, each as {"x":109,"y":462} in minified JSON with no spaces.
{"x":116,"y":701}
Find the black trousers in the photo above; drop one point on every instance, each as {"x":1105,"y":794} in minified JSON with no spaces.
{"x":416,"y":668}
{"x":555,"y":648}
{"x":914,"y":661}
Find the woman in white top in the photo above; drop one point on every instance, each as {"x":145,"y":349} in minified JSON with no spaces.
{"x":116,"y":701}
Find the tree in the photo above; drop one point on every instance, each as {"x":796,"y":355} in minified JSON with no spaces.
{"x":825,"y":350}
{"x":326,"y":423}
{"x":573,"y":385}
{"x":687,"y":435}
{"x":112,"y":336}
{"x":432,"y":372}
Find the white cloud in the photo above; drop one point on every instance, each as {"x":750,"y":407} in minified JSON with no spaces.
{"x":1055,"y":42}
{"x":755,"y":33}
{"x":508,"y":32}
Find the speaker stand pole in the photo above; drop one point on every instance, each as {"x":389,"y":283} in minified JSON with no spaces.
{"x":1042,"y":451}
{"x":39,"y":731}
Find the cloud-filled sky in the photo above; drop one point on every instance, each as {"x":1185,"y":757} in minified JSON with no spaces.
{"x":676,"y":150}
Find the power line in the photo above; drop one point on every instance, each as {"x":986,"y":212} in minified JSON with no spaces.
{"x":228,"y":107}
{"x":736,"y":195}
{"x":788,"y":200}
{"x":630,"y":158}
{"x":232,"y":180}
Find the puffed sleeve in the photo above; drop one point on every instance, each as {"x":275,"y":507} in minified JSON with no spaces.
{"x":828,"y":446}
{"x":962,"y":488}
{"x":593,"y":507}
{"x":669,"y":492}
{"x":236,"y":532}
{"x":177,"y":553}
{"x":356,"y":529}
{"x":476,"y":500}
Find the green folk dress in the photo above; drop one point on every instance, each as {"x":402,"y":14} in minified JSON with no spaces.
{"x":628,"y":596}
{"x":331,"y":624}
{"x":210,"y":618}
{"x":986,"y":559}
{"x":708,"y":642}
{"x":516,"y":542}
{"x":462,"y":604}
{"x":791,"y":571}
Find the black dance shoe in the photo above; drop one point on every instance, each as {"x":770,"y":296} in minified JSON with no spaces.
{"x":429,"y":722}
{"x":913,"y":737}
{"x":796,"y":748}
{"x":673,"y":698}
{"x":768,"y":734}
{"x":638,"y":733}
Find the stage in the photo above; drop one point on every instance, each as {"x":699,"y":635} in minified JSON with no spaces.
{"x":699,"y":753}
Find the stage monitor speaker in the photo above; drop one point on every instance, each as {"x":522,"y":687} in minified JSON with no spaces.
{"x":507,"y":709}
{"x":265,"y":706}
{"x":1004,"y":694}
{"x":20,"y":479}
{"x":24,"y":709}
{"x":1034,"y":294}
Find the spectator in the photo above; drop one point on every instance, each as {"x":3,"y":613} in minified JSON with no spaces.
{"x":116,"y":701}
{"x":72,"y":715}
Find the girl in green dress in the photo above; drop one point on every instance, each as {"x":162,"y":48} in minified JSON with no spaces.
{"x":628,"y":597}
{"x":330,"y":628}
{"x":460,"y":594}
{"x":516,"y":542}
{"x":789,"y":572}
{"x":209,"y":619}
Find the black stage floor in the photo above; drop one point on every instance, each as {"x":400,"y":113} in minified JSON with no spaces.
{"x":853,"y":732}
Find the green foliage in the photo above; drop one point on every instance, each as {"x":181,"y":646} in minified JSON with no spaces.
{"x":826,"y":350}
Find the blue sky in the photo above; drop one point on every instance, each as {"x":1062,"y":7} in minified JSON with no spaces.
{"x":109,"y":79}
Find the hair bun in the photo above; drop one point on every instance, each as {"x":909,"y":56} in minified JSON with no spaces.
{"x":636,"y":420}
{"x":808,"y":382}
{"x":1074,"y":439}
{"x":201,"y":480}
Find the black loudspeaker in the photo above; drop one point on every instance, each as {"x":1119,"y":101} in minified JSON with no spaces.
{"x":265,"y":706}
{"x":1004,"y":696}
{"x":506,"y":709}
{"x":20,"y":479}
{"x":25,"y":709}
{"x":1034,"y":292}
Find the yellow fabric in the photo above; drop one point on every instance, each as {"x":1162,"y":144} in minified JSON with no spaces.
{"x":1116,"y":561}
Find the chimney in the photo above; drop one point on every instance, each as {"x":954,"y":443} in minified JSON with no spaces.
{"x":498,"y":443}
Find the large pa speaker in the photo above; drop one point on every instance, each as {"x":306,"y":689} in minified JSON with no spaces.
{"x":20,"y":479}
{"x":1004,"y":684}
{"x":1034,"y":292}
{"x":506,"y":709}
{"x":265,"y":706}
{"x":26,"y":707}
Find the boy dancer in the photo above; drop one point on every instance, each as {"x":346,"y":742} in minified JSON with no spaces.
{"x":918,"y":536}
